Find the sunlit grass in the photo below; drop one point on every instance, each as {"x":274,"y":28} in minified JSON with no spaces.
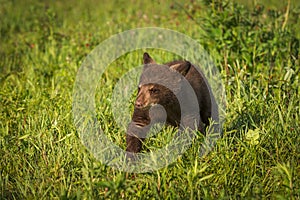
{"x":42,"y":47}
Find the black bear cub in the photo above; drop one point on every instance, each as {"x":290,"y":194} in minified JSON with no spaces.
{"x":151,"y":94}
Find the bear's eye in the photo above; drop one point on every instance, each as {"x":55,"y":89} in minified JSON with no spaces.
{"x":154,"y":91}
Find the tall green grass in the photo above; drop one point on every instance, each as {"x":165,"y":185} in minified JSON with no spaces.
{"x":255,"y":48}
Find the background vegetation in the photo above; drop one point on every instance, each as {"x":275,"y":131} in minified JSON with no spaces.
{"x":254,"y":44}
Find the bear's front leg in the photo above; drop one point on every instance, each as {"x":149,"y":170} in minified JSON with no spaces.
{"x":134,"y":144}
{"x":136,"y":133}
{"x":137,"y":130}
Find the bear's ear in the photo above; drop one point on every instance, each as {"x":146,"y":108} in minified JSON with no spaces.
{"x":182,"y":67}
{"x":147,"y":59}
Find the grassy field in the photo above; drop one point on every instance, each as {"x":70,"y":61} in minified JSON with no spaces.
{"x":254,"y":45}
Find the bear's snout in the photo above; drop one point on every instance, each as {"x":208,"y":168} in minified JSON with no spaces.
{"x":139,"y":103}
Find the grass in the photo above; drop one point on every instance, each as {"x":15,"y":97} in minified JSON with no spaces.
{"x":255,"y":49}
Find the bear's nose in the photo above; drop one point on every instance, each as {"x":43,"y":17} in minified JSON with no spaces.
{"x":139,"y":104}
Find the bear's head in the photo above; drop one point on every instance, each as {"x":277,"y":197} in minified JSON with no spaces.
{"x":159,"y":84}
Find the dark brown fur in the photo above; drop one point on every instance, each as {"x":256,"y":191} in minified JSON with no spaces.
{"x":150,"y":94}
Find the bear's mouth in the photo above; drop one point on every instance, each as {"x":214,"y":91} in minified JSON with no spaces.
{"x":140,"y":125}
{"x":147,"y":107}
